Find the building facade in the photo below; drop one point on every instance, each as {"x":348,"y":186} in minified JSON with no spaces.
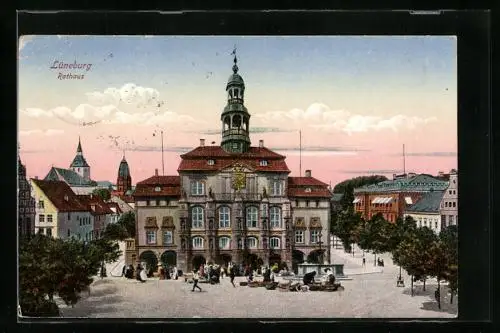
{"x":26,"y":203}
{"x":449,"y":204}
{"x":59,"y":212}
{"x":100,"y":212}
{"x":392,"y":198}
{"x":232,"y":203}
{"x":157,"y":216}
{"x":425,"y":212}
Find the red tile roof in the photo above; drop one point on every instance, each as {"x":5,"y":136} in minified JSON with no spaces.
{"x":61,"y":195}
{"x":161,"y":180}
{"x":197,"y":159}
{"x":95,"y":204}
{"x":314,"y":193}
{"x":168,"y":186}
{"x":217,"y":151}
{"x":305,"y":181}
{"x":202,"y":165}
{"x":307,"y":187}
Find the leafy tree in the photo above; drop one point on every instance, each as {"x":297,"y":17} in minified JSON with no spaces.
{"x":346,"y":226}
{"x":375,"y":235}
{"x":49,"y":266}
{"x":416,"y":254}
{"x":124,"y":228}
{"x":347,"y":198}
{"x":449,"y":239}
{"x":128,"y":221}
{"x":103,"y":193}
{"x":115,"y":231}
{"x":358,"y":182}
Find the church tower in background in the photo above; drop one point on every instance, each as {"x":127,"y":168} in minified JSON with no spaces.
{"x":79,"y":164}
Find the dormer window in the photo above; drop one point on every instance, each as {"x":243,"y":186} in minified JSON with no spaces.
{"x":211,"y":162}
{"x":308,"y":190}
{"x":157,"y":189}
{"x":263,"y":163}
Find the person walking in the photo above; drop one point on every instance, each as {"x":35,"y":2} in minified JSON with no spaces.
{"x":196,"y":277}
{"x":364,"y":261}
{"x":232,"y":274}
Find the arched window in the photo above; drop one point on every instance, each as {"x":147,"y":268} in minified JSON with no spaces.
{"x":224,"y":243}
{"x":275,"y":217}
{"x":274,"y":242}
{"x":252,"y":242}
{"x":236,"y":121}
{"x":197,"y":242}
{"x":197,"y":217}
{"x":224,"y":217}
{"x":252,"y":217}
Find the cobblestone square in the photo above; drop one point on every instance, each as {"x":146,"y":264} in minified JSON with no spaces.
{"x":371,"y":293}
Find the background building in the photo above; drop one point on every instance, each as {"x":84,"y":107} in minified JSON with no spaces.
{"x":449,"y":204}
{"x":310,"y":200}
{"x":100,"y":212}
{"x":425,"y":212}
{"x":391,"y":198}
{"x":26,"y":203}
{"x":78,"y":175}
{"x":59,"y":212}
{"x":157,"y":220}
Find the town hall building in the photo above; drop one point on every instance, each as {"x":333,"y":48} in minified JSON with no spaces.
{"x":232,"y":203}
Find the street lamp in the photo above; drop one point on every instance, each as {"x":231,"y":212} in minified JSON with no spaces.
{"x":320,"y":242}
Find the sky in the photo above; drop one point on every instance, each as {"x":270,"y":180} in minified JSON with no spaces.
{"x":356,"y":100}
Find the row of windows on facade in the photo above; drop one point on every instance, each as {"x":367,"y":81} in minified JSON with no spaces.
{"x":449,"y":204}
{"x":422,"y":222}
{"x":452,"y":219}
{"x":26,"y":202}
{"x":48,"y":232}
{"x":452,"y":191}
{"x":252,"y":217}
{"x":261,"y":162}
{"x":360,"y":203}
{"x":198,"y":188}
{"x":82,"y":220}
{"x":225,"y":242}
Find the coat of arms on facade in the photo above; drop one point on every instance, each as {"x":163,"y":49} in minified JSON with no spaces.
{"x":239,"y":178}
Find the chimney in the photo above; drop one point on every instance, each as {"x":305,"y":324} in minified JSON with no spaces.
{"x":261,"y":143}
{"x":394,"y":176}
{"x":308,"y":173}
{"x":202,"y":142}
{"x":156,"y":172}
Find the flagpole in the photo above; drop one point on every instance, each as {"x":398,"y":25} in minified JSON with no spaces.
{"x":300,"y":153}
{"x":162,"y":159}
{"x":404,"y":160}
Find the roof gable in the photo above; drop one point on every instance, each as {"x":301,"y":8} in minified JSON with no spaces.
{"x":79,"y":162}
{"x":95,"y":204}
{"x":69,"y":176}
{"x":61,"y":195}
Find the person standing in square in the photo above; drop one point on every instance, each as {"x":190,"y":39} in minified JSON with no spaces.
{"x":196,"y":277}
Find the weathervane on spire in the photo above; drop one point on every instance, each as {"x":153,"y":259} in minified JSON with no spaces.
{"x":235,"y":66}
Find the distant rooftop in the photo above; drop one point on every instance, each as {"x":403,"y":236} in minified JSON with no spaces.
{"x":417,"y":183}
{"x":429,"y":203}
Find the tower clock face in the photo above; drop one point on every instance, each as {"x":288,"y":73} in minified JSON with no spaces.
{"x":239,"y":178}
